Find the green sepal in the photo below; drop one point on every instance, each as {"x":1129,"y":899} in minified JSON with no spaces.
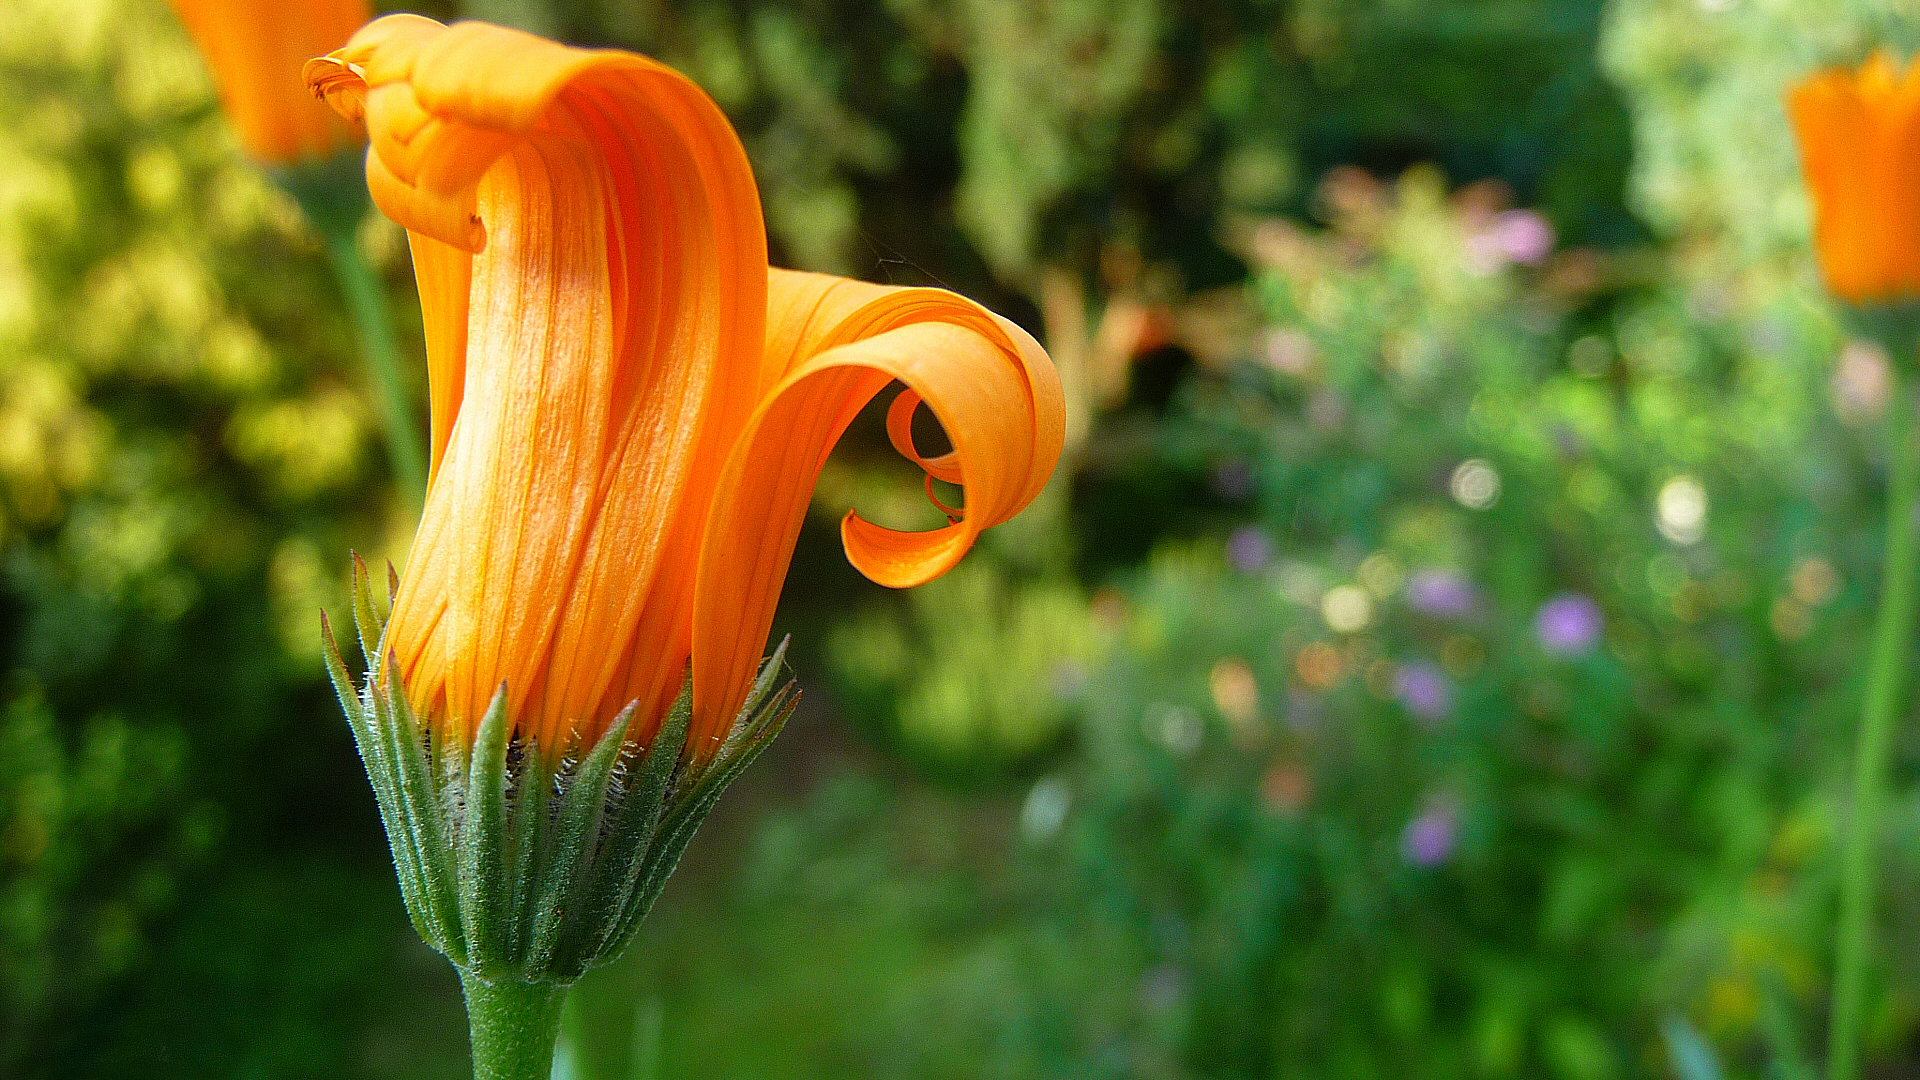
{"x":636,"y":803}
{"x":761,"y":718}
{"x":566,"y":867}
{"x":428,"y":826}
{"x":367,"y":620}
{"x":348,"y":693}
{"x":531,"y":830}
{"x":389,"y":745}
{"x":530,"y":864}
{"x":686,"y":815}
{"x":409,"y":854}
{"x":484,"y":891}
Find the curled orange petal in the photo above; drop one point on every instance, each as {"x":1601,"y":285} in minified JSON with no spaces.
{"x":629,"y":407}
{"x":839,"y":343}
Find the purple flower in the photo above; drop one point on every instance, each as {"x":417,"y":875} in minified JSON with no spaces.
{"x":1430,"y":838}
{"x":1516,"y":236}
{"x":1525,"y":237}
{"x":1249,"y":549}
{"x":1568,"y":624}
{"x":1442,"y":594}
{"x":1327,"y":410}
{"x":1424,"y":689}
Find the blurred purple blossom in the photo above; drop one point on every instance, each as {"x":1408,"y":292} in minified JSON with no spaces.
{"x":1289,"y":349}
{"x":1568,"y":624}
{"x":1442,"y":593}
{"x":1424,"y":689}
{"x":1525,"y":237}
{"x":1249,"y":549}
{"x":1430,"y":837}
{"x":1327,"y":410}
{"x":1516,"y":236}
{"x":1568,"y":441}
{"x":1233,"y":479}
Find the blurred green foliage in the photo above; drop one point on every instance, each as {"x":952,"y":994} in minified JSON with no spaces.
{"x":979,"y":689}
{"x":1344,"y":795}
{"x":1436,"y":654}
{"x":96,"y":839}
{"x":1434,"y":831}
{"x":183,"y":459}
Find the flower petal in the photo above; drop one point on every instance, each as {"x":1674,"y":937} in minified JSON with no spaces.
{"x":622,"y":452}
{"x":833,"y":344}
{"x":256,"y":49}
{"x":592,"y":265}
{"x":444,"y":276}
{"x":1859,"y":134}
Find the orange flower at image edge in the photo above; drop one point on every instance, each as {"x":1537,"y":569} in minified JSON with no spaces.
{"x":629,"y":407}
{"x":1859,"y":135}
{"x":256,"y":49}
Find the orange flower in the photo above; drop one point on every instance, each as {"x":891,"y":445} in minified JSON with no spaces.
{"x":1860,"y":144}
{"x":256,"y":49}
{"x":629,"y":407}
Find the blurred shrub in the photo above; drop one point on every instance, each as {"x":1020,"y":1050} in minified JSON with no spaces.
{"x":184,"y":459}
{"x":93,"y":839}
{"x":178,"y":399}
{"x":1705,"y":79}
{"x":979,"y":142}
{"x":979,"y":675}
{"x":1480,"y":713}
{"x":1505,"y":721}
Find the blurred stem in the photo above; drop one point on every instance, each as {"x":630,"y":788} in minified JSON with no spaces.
{"x":597,"y":1003}
{"x":571,"y":1061}
{"x":373,"y":320}
{"x":514,"y":1026}
{"x":647,"y":1022}
{"x":1885,"y":674}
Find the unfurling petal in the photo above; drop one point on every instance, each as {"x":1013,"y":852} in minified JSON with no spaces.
{"x":832,"y":344}
{"x":629,"y":408}
{"x":588,"y":243}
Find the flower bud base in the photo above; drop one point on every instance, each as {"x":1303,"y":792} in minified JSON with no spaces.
{"x":526,"y":865}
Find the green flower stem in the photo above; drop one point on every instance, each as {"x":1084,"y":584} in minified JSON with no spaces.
{"x":1886,"y":673}
{"x":332,"y":192}
{"x":367,"y":303}
{"x":514,"y":1027}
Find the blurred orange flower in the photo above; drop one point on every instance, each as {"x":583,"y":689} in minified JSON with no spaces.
{"x":629,"y":408}
{"x":256,"y":49}
{"x":1860,"y":146}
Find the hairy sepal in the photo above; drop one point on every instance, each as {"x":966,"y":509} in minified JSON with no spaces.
{"x":530,"y":864}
